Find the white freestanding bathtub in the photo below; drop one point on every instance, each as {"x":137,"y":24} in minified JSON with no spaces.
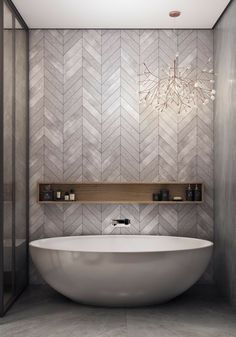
{"x":121,"y":270}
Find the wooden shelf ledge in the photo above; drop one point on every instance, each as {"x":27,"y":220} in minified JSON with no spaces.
{"x":120,"y":193}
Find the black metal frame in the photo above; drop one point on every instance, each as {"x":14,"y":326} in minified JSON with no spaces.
{"x":16,"y":15}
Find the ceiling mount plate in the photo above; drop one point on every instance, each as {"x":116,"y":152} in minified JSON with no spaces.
{"x":174,"y":14}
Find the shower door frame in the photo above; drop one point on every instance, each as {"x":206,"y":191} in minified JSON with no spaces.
{"x":16,"y":293}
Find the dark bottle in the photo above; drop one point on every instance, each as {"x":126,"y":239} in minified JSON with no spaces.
{"x":47,"y":193}
{"x":165,"y":195}
{"x":197,"y":193}
{"x":189,"y":193}
{"x":156,"y":197}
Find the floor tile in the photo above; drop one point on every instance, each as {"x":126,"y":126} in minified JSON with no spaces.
{"x":42,"y":312}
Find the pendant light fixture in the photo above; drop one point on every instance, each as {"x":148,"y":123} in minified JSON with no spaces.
{"x":175,"y":86}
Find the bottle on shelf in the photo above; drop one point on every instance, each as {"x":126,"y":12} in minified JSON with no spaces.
{"x":58,"y":195}
{"x":67,"y":196}
{"x":189,"y":193}
{"x":197,"y":193}
{"x":165,"y":195}
{"x":47,"y":194}
{"x":72,"y":195}
{"x":156,"y":196}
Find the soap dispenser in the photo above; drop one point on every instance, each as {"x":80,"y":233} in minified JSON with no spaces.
{"x":197,"y":193}
{"x":189,"y":193}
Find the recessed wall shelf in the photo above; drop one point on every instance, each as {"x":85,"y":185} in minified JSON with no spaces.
{"x":120,"y":193}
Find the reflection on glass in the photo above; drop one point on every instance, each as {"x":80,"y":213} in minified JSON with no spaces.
{"x":8,"y":173}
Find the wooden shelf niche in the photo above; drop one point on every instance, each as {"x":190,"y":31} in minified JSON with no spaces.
{"x":120,"y":193}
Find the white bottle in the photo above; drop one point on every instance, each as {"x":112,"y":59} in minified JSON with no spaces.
{"x":67,"y":197}
{"x":72,"y":195}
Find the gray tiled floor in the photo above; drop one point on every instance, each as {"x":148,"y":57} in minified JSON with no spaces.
{"x":42,"y":312}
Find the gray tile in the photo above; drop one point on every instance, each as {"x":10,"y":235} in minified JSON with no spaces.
{"x":43,"y":312}
{"x":190,"y":315}
{"x":86,"y":124}
{"x":40,"y":311}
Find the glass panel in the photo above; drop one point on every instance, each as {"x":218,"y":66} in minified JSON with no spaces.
{"x":20,"y":155}
{"x":8,"y":155}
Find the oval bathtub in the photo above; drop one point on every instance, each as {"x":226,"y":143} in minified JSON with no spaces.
{"x":121,"y":270}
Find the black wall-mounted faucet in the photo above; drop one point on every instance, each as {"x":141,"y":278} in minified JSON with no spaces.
{"x":116,"y":222}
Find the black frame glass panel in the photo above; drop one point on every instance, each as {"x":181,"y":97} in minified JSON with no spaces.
{"x":14,"y":154}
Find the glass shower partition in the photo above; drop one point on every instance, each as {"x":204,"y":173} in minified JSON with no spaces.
{"x":13,"y":155}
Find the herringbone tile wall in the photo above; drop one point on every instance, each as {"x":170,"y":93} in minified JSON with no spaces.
{"x":86,"y":124}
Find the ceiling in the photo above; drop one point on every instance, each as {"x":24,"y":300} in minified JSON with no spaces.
{"x":138,"y":14}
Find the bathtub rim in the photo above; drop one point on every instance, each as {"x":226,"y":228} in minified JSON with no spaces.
{"x":209,"y":244}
